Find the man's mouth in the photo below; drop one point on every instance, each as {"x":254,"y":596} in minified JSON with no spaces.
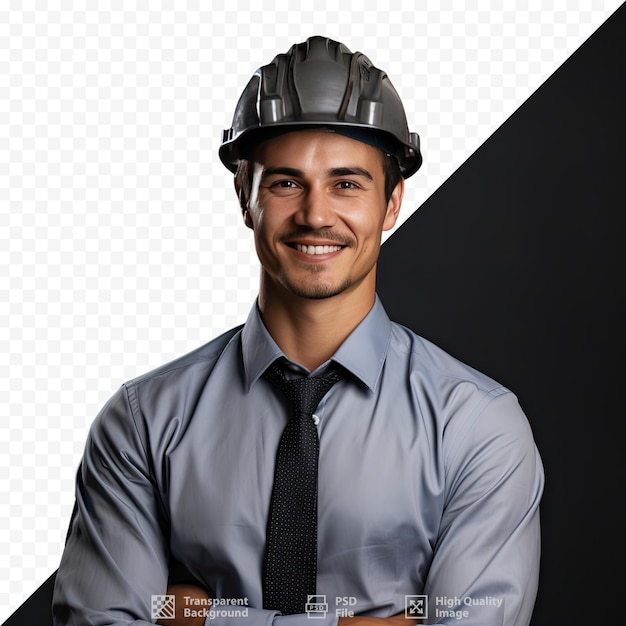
{"x":315,"y":249}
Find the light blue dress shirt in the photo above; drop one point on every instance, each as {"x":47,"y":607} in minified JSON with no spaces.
{"x":429,"y":486}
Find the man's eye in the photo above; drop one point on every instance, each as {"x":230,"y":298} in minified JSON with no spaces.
{"x":347,"y":184}
{"x":284,"y":184}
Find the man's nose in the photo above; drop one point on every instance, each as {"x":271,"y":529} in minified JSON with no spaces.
{"x":315,"y":210}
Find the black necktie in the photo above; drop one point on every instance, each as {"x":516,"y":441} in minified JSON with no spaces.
{"x":290,"y":566}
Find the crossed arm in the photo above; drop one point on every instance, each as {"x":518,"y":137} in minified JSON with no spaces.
{"x":118,"y":549}
{"x":188,"y":590}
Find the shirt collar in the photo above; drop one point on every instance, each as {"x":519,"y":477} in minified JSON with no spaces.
{"x":362,"y":353}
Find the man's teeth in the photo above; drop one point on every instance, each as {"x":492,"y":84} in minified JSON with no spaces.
{"x":316,"y":249}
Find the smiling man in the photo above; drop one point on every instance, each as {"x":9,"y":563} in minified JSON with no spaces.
{"x":319,"y":461}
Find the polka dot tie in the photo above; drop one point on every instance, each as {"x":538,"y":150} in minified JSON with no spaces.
{"x":290,"y":567}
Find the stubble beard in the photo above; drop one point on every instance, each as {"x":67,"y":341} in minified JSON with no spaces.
{"x":313,"y":289}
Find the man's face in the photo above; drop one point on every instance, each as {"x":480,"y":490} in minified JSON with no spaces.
{"x":317,"y":207}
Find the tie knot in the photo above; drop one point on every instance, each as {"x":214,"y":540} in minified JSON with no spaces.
{"x":305,"y":393}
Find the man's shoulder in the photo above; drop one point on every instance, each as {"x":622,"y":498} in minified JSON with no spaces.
{"x":203,"y":357}
{"x":425,"y":355}
{"x":150,"y":401}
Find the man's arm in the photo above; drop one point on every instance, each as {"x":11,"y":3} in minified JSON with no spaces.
{"x":485,"y":566}
{"x":116,"y":554}
{"x":115,"y":565}
{"x":181,"y":591}
{"x":486,"y":560}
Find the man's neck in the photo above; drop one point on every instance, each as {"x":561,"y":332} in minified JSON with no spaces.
{"x":309,"y":331}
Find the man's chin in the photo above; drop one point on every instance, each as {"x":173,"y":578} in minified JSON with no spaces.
{"x":316,"y":290}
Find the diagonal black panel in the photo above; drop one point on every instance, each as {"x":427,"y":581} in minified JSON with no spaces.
{"x":516,"y":265}
{"x":37,"y":610}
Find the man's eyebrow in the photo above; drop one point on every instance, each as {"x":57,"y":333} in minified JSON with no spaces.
{"x":333,"y":172}
{"x":350,"y":171}
{"x":282,"y":171}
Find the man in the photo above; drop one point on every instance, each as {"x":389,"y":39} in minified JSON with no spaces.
{"x":407,"y":488}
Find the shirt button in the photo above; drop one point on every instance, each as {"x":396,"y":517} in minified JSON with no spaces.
{"x":316,"y":419}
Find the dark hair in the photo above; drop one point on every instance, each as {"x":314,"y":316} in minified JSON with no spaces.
{"x":243,"y":177}
{"x":391,"y":170}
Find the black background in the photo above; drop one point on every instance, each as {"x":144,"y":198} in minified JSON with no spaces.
{"x":516,"y":266}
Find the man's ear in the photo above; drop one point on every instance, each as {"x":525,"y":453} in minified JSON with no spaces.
{"x":393,"y":205}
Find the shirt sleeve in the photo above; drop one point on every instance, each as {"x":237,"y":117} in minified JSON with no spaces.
{"x":116,"y":554}
{"x":485,"y":568}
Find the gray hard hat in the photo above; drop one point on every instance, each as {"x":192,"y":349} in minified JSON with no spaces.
{"x":320,"y":83}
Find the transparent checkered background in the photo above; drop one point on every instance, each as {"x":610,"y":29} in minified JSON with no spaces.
{"x":121,"y":242}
